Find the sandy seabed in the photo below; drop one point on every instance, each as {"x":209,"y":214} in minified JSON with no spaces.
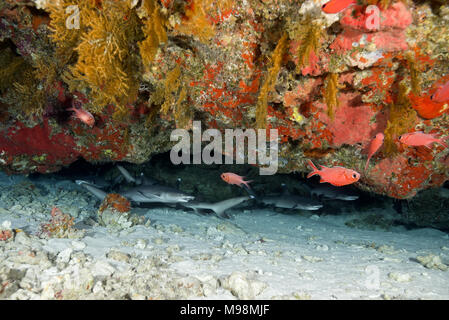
{"x":258,"y":254}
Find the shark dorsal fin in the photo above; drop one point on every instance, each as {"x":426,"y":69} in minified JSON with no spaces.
{"x":126,"y":174}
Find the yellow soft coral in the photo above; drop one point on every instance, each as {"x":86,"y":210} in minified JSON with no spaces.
{"x":415,"y":78}
{"x":61,"y":14}
{"x":30,"y":95}
{"x":270,"y":81}
{"x":154,"y":31}
{"x":11,"y":68}
{"x":105,"y":62}
{"x":331,"y":93}
{"x":168,"y":94}
{"x":183,"y":113}
{"x":308,"y":33}
{"x":402,"y":118}
{"x":196,"y":22}
{"x":102,"y":38}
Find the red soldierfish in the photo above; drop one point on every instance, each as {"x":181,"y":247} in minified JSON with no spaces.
{"x":442,"y":94}
{"x":233,"y":178}
{"x":84,"y":116}
{"x":335,"y":6}
{"x":336,"y":176}
{"x":376,"y":143}
{"x":420,"y":138}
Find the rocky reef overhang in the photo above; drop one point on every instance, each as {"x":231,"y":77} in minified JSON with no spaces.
{"x":327,"y":82}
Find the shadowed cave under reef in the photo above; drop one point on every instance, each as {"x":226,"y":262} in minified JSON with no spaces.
{"x":430,"y":208}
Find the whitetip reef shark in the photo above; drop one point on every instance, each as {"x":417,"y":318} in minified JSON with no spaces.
{"x":288,"y":201}
{"x":156,"y":193}
{"x":333,"y":193}
{"x":291,"y":202}
{"x":143,"y":194}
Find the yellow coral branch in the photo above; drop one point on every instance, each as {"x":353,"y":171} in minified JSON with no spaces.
{"x":270,"y":81}
{"x":168,"y":93}
{"x":415,"y":79}
{"x":310,"y":34}
{"x":401,"y":119}
{"x":172,"y":83}
{"x":154,"y":31}
{"x":105,"y":63}
{"x":331,"y":93}
{"x":196,"y":22}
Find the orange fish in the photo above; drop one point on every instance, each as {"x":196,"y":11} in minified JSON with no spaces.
{"x":426,"y":107}
{"x":419,"y":138}
{"x":376,"y":143}
{"x":336,"y":176}
{"x":335,"y":6}
{"x":84,"y":116}
{"x":233,"y":178}
{"x":442,"y":94}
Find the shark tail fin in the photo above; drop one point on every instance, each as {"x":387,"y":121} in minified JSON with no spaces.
{"x":250,"y":191}
{"x":219,"y":210}
{"x":91,"y":188}
{"x":126,"y":174}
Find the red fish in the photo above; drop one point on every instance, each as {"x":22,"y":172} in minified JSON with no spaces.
{"x":84,"y":116}
{"x":419,"y":138}
{"x":335,"y":6}
{"x":233,"y":178}
{"x":442,"y":94}
{"x":426,"y":107}
{"x":376,"y":143}
{"x":336,"y":176}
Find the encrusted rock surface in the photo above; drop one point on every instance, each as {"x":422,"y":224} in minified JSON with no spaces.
{"x":224,"y":63}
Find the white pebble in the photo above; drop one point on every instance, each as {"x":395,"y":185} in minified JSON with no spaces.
{"x":64,"y":255}
{"x":140,"y":244}
{"x":102,"y":269}
{"x":400,"y":277}
{"x":78,"y":245}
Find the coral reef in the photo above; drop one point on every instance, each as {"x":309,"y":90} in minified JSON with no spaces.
{"x":195,"y":21}
{"x":116,"y":201}
{"x":402,"y":118}
{"x":105,"y":61}
{"x":270,"y":81}
{"x":60,"y":225}
{"x":6,"y":232}
{"x":310,"y":33}
{"x":154,"y":31}
{"x":330,"y":93}
{"x":327,"y":82}
{"x":114,"y":213}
